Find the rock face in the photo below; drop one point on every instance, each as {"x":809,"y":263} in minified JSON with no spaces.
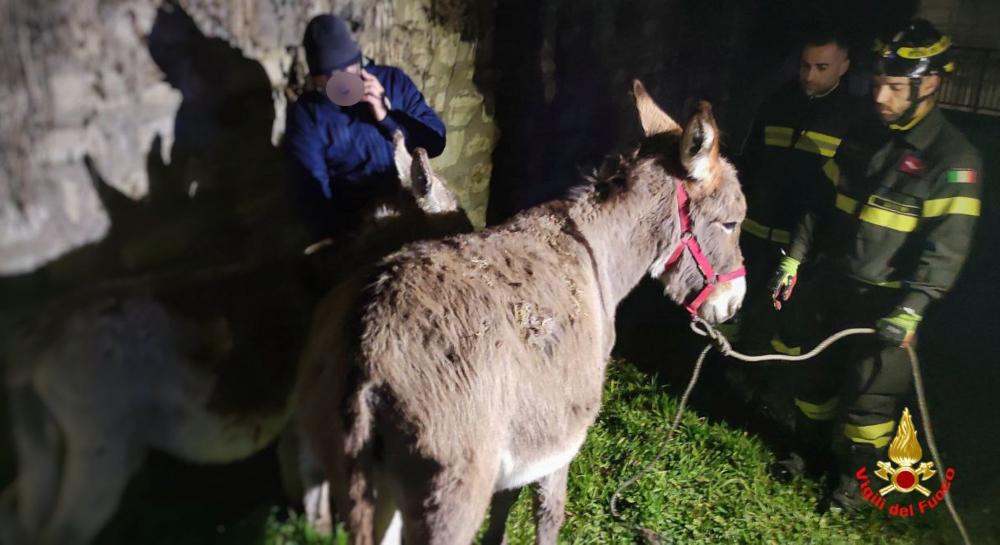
{"x":153,"y":127}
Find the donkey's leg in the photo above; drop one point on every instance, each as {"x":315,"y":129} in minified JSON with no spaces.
{"x":388,"y":520}
{"x":458,"y":497}
{"x":500,"y":507}
{"x":349,"y":488}
{"x":355,"y":502}
{"x":94,"y":476}
{"x":550,"y":506}
{"x":39,"y":444}
{"x":303,"y":478}
{"x":318,"y":507}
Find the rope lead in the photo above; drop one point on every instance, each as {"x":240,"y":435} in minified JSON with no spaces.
{"x":719,"y":341}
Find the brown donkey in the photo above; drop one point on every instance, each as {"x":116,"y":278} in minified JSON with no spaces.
{"x":474,"y":365}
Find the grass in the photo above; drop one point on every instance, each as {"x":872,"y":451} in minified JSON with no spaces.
{"x":712,"y":486}
{"x":295,"y":531}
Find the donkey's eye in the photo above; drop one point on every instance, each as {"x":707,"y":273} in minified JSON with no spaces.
{"x":729,"y":226}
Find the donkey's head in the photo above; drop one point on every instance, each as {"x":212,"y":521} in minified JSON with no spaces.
{"x":699,"y":258}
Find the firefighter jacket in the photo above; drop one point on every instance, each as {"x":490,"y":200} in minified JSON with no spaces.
{"x":905,"y":218}
{"x":781,"y":164}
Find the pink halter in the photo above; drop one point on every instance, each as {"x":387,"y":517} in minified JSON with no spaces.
{"x":690,"y":243}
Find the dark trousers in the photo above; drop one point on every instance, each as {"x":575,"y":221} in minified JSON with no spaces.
{"x":857,"y":384}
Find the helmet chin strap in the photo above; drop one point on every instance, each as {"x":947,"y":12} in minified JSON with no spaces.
{"x":908,"y":118}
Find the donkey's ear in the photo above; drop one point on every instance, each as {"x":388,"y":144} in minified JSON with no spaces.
{"x":433,"y":196}
{"x":654,"y":120}
{"x":402,"y":158}
{"x":700,"y":145}
{"x":421,"y":173}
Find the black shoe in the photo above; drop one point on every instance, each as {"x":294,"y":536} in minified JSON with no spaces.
{"x":786,"y":470}
{"x":846,"y":499}
{"x":845,"y":502}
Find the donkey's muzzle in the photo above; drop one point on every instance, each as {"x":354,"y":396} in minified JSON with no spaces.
{"x":724,"y":301}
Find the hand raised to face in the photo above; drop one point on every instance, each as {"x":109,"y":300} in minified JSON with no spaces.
{"x":374,"y":95}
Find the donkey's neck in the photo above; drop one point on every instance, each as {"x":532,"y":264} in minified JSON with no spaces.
{"x":628,"y":236}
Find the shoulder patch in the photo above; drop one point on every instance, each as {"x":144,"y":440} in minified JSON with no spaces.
{"x":911,"y":164}
{"x":962,"y":176}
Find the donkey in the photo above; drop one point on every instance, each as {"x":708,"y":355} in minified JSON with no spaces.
{"x":463,"y":368}
{"x":94,"y":385}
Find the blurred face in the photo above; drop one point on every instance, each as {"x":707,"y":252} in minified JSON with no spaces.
{"x":821,"y":67}
{"x":892,"y":95}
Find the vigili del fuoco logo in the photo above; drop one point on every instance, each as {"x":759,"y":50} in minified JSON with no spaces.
{"x":904,"y":474}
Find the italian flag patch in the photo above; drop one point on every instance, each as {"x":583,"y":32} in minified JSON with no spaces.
{"x":961,"y":176}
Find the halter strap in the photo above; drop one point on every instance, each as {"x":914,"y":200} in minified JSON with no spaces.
{"x":689,"y":242}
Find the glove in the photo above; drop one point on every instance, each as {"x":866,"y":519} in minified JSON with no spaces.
{"x":783,"y":281}
{"x":898,"y":328}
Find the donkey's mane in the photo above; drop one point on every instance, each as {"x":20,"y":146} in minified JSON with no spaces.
{"x":612,"y":177}
{"x":599,"y":182}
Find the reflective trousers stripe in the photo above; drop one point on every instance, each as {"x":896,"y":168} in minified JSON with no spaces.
{"x":878,"y":435}
{"x":823,"y":411}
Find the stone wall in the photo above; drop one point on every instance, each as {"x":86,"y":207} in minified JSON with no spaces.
{"x":152,"y":127}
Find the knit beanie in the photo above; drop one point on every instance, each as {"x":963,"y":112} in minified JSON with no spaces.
{"x":329,"y":45}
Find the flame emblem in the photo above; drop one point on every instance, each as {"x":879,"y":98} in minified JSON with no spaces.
{"x":905,"y":451}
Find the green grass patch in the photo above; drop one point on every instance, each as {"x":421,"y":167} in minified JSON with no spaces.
{"x":295,"y":531}
{"x":712,"y":485}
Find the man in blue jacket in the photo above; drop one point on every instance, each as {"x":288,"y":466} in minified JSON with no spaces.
{"x":342,"y":156}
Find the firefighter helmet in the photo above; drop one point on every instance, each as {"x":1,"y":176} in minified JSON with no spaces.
{"x":918,"y":50}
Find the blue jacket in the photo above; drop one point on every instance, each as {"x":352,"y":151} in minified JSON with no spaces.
{"x":342,"y":158}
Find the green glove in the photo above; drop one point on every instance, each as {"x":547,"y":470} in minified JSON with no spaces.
{"x":898,"y":328}
{"x":783,"y":281}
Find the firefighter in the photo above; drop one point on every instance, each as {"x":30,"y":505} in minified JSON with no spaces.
{"x":892,"y":242}
{"x":796,"y":131}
